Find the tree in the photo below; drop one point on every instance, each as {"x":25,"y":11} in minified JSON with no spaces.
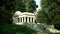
{"x":6,"y":11}
{"x":51,"y":11}
{"x":9,"y":7}
{"x":30,"y":5}
{"x":41,"y":17}
{"x":26,"y":5}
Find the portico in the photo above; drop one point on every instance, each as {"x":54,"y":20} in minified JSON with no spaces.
{"x":25,"y":17}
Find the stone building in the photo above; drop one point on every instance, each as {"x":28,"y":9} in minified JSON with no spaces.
{"x":20,"y":18}
{"x":25,"y":17}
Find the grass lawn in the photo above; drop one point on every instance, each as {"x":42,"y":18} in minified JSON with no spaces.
{"x":15,"y":29}
{"x":18,"y":29}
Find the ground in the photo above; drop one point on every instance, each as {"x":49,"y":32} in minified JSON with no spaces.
{"x":15,"y":29}
{"x":18,"y":29}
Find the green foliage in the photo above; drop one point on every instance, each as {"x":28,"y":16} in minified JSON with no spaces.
{"x":6,"y":11}
{"x":41,"y":17}
{"x":9,"y":7}
{"x":30,"y":5}
{"x":51,"y":10}
{"x":15,"y":29}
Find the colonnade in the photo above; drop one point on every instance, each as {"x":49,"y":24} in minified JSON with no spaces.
{"x":26,"y":19}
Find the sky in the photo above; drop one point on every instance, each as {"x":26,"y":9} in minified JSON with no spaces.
{"x":38,"y":3}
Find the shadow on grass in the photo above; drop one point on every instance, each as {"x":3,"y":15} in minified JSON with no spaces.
{"x":15,"y":29}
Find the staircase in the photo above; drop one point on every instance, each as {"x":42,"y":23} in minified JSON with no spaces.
{"x":36,"y":27}
{"x":42,"y":27}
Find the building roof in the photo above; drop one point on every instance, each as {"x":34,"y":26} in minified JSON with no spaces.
{"x":24,"y":13}
{"x":17,"y":13}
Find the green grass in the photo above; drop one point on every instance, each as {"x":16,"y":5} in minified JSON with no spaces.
{"x":15,"y":29}
{"x":18,"y":29}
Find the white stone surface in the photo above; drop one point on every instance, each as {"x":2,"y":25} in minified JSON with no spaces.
{"x":20,"y":15}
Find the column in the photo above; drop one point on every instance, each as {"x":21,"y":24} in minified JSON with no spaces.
{"x":27,"y":19}
{"x":19,"y":20}
{"x":22,"y":19}
{"x":31,"y":19}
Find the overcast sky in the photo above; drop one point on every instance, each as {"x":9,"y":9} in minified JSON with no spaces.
{"x":38,"y":3}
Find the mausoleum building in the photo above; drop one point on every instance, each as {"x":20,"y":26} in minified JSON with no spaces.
{"x":25,"y":17}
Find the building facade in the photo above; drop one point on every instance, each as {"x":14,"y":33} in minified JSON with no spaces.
{"x":25,"y":17}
